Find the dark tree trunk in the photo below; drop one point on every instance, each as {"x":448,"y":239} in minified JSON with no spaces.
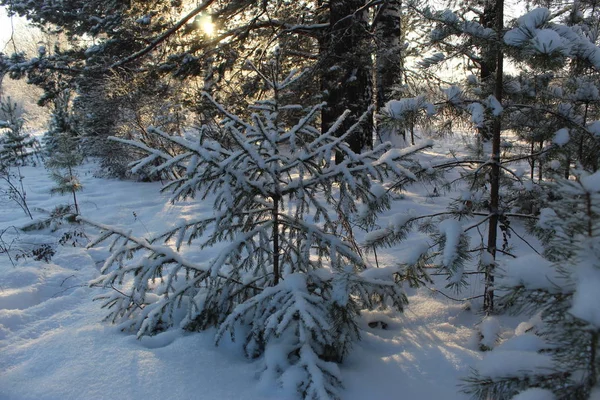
{"x":540,"y":164}
{"x":488,"y":299}
{"x":389,"y":57}
{"x":346,"y":71}
{"x":275,"y":213}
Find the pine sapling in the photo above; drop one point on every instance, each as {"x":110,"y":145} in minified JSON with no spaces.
{"x":16,"y":144}
{"x":561,"y":288}
{"x":285,"y":276}
{"x":62,"y":161}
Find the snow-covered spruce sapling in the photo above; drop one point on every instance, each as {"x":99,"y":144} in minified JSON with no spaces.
{"x":561,"y":287}
{"x":64,"y":158}
{"x":62,"y":122}
{"x":283,"y":274}
{"x":16,"y":144}
{"x":401,"y":116}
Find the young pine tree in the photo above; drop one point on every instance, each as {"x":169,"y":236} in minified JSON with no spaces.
{"x":61,"y":121}
{"x":542,"y":106}
{"x":286,"y":275}
{"x":61,"y":144}
{"x":16,"y":144}
{"x":562,"y":358}
{"x":64,"y":158}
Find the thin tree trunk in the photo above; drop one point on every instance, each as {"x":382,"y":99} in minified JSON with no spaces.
{"x":532,"y":162}
{"x":488,"y":299}
{"x":540,"y":164}
{"x":580,"y":155}
{"x":21,"y":194}
{"x":75,"y":202}
{"x":73,"y":191}
{"x":595,"y":334}
{"x":275,"y":214}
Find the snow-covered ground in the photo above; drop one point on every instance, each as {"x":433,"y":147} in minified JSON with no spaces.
{"x":54,"y":344}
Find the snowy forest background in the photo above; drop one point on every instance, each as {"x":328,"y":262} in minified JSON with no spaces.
{"x":352,"y":199}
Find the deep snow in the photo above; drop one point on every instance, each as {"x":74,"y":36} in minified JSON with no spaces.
{"x":54,"y":344}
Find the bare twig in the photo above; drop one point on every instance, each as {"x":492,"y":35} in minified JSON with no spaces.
{"x":523,"y":239}
{"x":6,"y":247}
{"x":452,"y":298}
{"x":69,"y":288}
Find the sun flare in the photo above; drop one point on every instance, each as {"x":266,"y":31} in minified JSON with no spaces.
{"x":206,"y":25}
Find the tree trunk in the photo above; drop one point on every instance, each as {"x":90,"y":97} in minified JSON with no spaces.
{"x":389,"y":56}
{"x":73,"y":191}
{"x":346,"y":71}
{"x":488,"y":298}
{"x":532,"y":159}
{"x":275,"y":214}
{"x":540,"y":164}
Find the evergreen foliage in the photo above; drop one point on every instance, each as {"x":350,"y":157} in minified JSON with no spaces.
{"x":545,"y":106}
{"x":285,"y":276}
{"x":62,"y":161}
{"x":287,"y":182}
{"x":61,"y":122}
{"x":62,"y":145}
{"x":17,"y":145}
{"x":148,"y":44}
{"x":564,"y":293}
{"x":94,"y":108}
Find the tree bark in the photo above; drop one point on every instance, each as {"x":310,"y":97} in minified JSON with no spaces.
{"x":275,"y":213}
{"x":389,"y":56}
{"x":488,"y":298}
{"x":346,"y":71}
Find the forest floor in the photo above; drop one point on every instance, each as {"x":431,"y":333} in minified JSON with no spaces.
{"x":55,"y":345}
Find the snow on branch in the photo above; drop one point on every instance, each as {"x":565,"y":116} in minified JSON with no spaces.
{"x":287,"y":270}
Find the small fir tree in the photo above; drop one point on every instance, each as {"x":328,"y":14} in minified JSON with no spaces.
{"x":563,"y":289}
{"x":61,"y":122}
{"x":287,"y":275}
{"x":62,"y":161}
{"x":17,"y":145}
